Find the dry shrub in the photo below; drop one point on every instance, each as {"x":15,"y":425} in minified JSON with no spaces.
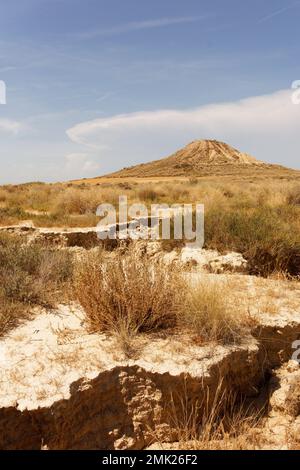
{"x":293,"y":196}
{"x":30,"y":275}
{"x":76,"y":201}
{"x":11,"y":312}
{"x":127,"y":295}
{"x":148,"y":194}
{"x":268,"y":237}
{"x":213,"y":314}
{"x":3,"y":195}
{"x":193,"y":181}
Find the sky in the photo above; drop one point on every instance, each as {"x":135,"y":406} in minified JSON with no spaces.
{"x":97,"y":85}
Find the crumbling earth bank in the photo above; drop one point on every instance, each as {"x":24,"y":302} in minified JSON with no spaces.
{"x":129,"y":406}
{"x":62,"y":388}
{"x":121,"y":408}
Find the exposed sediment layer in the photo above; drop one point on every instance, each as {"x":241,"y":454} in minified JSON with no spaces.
{"x":98,"y":401}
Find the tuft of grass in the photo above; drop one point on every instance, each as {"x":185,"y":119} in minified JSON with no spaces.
{"x":220,"y":420}
{"x":213,"y":314}
{"x":74,"y":201}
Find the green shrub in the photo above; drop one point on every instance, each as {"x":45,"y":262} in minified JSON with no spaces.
{"x":268,"y":237}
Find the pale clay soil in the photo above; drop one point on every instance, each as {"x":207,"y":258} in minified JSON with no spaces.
{"x":43,"y":357}
{"x":52,"y":361}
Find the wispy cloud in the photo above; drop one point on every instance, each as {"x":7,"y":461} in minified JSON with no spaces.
{"x":10,"y":127}
{"x":139,"y":25}
{"x":278,"y":12}
{"x":251,"y":124}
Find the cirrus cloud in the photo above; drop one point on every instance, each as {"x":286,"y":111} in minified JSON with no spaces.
{"x":139,"y":26}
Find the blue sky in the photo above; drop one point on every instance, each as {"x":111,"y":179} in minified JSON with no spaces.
{"x":96,"y":85}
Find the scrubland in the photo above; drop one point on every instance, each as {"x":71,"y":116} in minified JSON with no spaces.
{"x":127,"y":296}
{"x":30,"y":276}
{"x":259,"y":218}
{"x":123,"y":296}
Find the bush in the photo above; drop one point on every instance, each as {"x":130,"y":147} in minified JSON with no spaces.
{"x":293,"y":197}
{"x":268,"y":237}
{"x":9,"y":215}
{"x":76,"y":201}
{"x":29,"y":275}
{"x":148,"y":194}
{"x":127,"y":295}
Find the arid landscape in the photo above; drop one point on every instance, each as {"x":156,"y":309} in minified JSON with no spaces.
{"x":153,"y":344}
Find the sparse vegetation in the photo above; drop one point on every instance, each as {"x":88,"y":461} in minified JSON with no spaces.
{"x":30,"y":275}
{"x":221,"y":420}
{"x":268,"y":237}
{"x":293,"y":197}
{"x":127,"y":295}
{"x":136,"y":300}
{"x":214,"y":314}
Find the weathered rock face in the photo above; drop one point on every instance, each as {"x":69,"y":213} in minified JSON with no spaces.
{"x":87,"y":238}
{"x":65,"y":238}
{"x":277,"y":335}
{"x":282,"y":425}
{"x":64,"y":389}
{"x":285,"y":388}
{"x":122,"y":408}
{"x":70,"y":392}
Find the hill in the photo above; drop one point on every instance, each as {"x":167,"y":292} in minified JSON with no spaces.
{"x":202,"y":158}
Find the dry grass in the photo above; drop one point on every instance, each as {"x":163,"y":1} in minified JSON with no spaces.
{"x":11,"y":313}
{"x":220,"y":421}
{"x":258,"y":217}
{"x":147,"y":193}
{"x":215,"y":314}
{"x":30,"y":275}
{"x":293,"y":196}
{"x":127,"y":295}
